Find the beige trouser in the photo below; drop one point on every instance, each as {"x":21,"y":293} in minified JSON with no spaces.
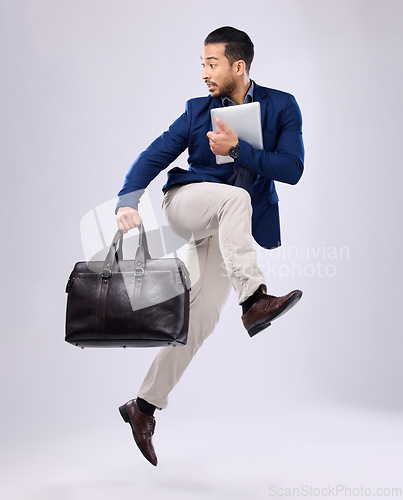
{"x":219,"y":254}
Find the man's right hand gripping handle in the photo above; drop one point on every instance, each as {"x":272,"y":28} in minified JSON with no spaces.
{"x":127,"y":218}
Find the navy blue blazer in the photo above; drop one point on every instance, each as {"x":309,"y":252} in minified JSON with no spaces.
{"x":282,"y":158}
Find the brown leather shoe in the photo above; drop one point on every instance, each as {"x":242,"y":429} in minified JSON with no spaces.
{"x":142,"y":427}
{"x":266,"y":308}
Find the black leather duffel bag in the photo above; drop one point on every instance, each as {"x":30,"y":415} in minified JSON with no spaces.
{"x":128,"y":303}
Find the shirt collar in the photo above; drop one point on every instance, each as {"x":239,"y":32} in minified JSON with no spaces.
{"x":226,"y":101}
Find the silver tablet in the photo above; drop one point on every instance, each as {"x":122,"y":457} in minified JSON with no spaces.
{"x":244,"y":120}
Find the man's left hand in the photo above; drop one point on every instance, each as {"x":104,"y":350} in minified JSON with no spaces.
{"x":223,"y":140}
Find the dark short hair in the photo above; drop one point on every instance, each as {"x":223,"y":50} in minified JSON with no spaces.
{"x":238,"y":45}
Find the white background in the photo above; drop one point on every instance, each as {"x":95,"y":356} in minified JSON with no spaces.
{"x":317,"y":398}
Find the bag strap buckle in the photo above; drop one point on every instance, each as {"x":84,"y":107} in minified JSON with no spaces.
{"x":106,"y":273}
{"x":139,"y":271}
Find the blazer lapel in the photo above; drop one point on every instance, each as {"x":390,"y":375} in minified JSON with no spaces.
{"x":259,"y":94}
{"x":216,"y":103}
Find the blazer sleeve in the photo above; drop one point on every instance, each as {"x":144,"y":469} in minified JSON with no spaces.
{"x":286,"y":164}
{"x":158,"y":156}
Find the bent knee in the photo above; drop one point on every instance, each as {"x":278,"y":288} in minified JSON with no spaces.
{"x":239,"y":197}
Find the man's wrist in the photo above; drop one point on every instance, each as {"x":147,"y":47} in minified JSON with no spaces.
{"x":234,"y":151}
{"x":130,"y":199}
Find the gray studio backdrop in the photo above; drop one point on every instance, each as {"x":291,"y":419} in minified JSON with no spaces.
{"x":86,"y":86}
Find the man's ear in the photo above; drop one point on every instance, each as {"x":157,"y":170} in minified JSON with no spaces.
{"x":239,"y":67}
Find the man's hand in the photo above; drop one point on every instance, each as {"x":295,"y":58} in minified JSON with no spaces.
{"x":127,"y":218}
{"x":222,"y":141}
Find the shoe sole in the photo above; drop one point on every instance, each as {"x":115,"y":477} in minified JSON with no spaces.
{"x":291,"y":303}
{"x":125,"y":416}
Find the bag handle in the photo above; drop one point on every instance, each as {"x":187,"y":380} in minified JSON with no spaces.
{"x":142,"y":253}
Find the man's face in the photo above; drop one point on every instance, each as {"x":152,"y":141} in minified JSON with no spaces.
{"x":217,"y":72}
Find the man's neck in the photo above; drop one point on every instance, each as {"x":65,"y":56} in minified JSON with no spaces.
{"x":238,"y":96}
